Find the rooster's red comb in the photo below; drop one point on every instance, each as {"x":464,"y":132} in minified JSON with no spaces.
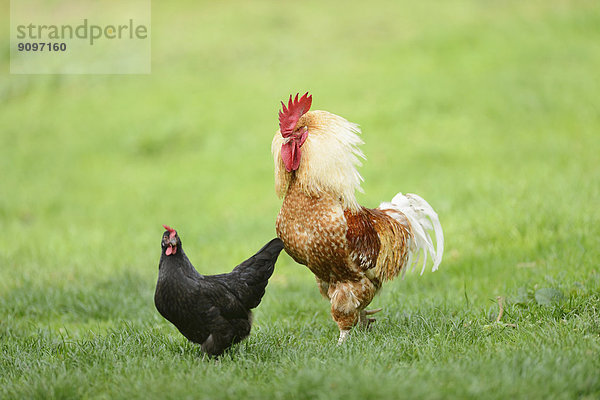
{"x":172,"y":232}
{"x":289,"y":116}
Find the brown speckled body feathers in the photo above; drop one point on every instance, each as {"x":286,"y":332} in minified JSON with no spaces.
{"x":351,"y":252}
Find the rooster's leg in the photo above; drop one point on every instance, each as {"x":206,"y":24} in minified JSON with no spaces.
{"x":343,"y":335}
{"x":364,"y":321}
{"x":347,"y":301}
{"x":344,"y":313}
{"x":323,"y":287}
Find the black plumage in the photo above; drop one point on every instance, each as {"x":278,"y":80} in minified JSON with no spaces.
{"x":213,"y":310}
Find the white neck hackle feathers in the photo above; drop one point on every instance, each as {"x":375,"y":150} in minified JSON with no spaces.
{"x":328,"y":160}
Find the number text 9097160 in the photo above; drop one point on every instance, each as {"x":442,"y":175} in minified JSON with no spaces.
{"x":42,"y":46}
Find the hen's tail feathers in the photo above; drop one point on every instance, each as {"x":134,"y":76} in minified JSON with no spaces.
{"x":251,"y":276}
{"x":421,"y":218}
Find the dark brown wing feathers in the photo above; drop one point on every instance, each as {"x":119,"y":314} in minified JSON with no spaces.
{"x":362,"y":238}
{"x":378,"y":241}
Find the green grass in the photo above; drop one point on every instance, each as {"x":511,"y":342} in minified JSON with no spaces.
{"x":489,"y":110}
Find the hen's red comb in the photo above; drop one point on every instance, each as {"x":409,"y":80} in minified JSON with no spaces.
{"x":289,"y":116}
{"x":172,"y":232}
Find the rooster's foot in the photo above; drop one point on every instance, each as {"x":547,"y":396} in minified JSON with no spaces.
{"x":343,"y":336}
{"x":364,"y":321}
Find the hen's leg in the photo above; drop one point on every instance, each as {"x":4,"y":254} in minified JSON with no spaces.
{"x":225,"y":333}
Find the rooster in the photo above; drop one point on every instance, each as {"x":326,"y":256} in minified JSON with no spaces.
{"x":352,"y":250}
{"x":212,"y":310}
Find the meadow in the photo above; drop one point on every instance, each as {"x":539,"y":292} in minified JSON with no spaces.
{"x":489,"y":110}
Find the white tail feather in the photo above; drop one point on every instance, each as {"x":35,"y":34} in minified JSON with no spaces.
{"x":420,"y":216}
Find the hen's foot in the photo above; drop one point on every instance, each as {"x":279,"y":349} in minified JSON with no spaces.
{"x":364,"y":321}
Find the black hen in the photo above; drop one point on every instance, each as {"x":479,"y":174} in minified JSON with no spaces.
{"x":214,"y":310}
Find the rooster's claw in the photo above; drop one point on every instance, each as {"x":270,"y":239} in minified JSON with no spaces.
{"x":364,"y":321}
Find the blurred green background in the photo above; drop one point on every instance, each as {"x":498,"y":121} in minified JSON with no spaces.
{"x":490,"y":110}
